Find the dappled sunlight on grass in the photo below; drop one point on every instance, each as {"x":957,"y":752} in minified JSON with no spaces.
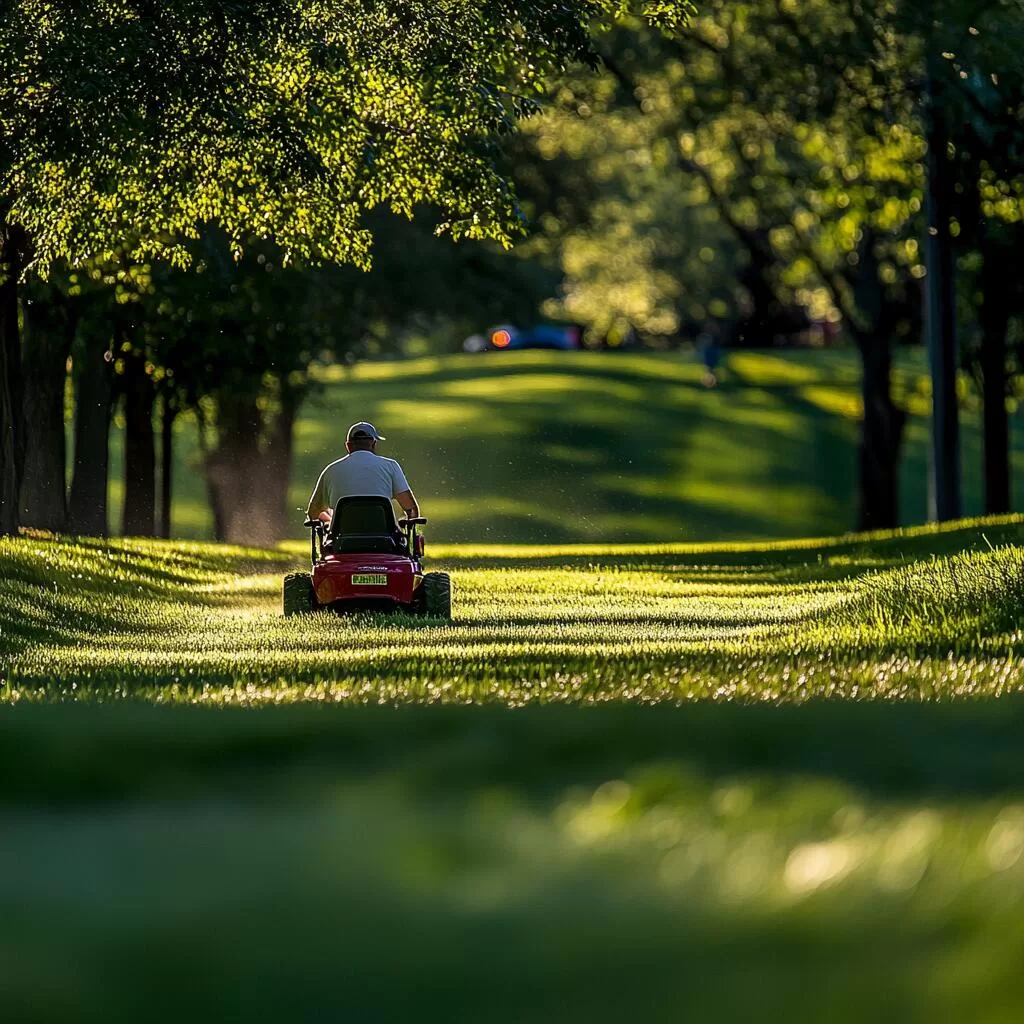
{"x":552,"y":388}
{"x":437,"y":418}
{"x":848,"y":405}
{"x":631,"y":445}
{"x":771,"y":369}
{"x":720,"y":499}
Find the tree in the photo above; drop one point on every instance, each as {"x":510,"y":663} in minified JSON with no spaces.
{"x":797,"y":128}
{"x":765,"y":168}
{"x":126,"y":125}
{"x":635,"y":246}
{"x":51,"y":316}
{"x":93,"y":377}
{"x":988,"y":139}
{"x":265,"y":326}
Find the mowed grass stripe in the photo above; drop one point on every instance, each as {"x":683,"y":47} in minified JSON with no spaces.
{"x":856,"y":617}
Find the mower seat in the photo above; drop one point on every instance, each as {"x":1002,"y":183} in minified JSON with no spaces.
{"x":365,"y":526}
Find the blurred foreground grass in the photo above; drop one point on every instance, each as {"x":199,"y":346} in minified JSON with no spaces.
{"x":498,"y":825}
{"x":711,"y":863}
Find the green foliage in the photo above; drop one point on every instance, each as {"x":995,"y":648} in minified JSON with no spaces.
{"x":773,"y":153}
{"x":646,"y":251}
{"x":132,"y":124}
{"x":260,"y":314}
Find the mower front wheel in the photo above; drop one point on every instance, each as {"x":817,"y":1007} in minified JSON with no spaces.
{"x":299,"y":595}
{"x":437,"y":595}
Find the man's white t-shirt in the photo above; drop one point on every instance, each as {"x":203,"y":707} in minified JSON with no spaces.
{"x":358,"y":473}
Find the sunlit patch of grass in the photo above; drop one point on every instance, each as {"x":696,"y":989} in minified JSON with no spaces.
{"x":774,"y":370}
{"x":962,"y":601}
{"x":840,"y":403}
{"x":842,"y":617}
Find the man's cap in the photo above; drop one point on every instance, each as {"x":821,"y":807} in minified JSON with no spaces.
{"x":360,"y":431}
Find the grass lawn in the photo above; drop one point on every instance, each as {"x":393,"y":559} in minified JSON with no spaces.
{"x":539,"y":447}
{"x":726,"y":782}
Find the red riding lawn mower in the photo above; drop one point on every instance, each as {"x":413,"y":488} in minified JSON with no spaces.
{"x":367,"y":561}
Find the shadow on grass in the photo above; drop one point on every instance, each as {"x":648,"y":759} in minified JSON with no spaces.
{"x":65,"y":591}
{"x":908,"y":751}
{"x":827,"y":558}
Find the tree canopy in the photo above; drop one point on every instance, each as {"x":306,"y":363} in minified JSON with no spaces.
{"x":133,"y":122}
{"x":129,"y":126}
{"x":768,"y":164}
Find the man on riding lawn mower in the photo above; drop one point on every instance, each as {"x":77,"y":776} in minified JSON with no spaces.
{"x":362,"y":472}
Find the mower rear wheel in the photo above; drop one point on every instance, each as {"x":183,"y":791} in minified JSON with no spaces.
{"x":437,"y":595}
{"x":299,"y":595}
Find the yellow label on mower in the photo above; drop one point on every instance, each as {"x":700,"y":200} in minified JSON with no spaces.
{"x":372,"y":579}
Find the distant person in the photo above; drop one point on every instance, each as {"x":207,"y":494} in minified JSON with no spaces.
{"x":709,"y":344}
{"x":362,"y":472}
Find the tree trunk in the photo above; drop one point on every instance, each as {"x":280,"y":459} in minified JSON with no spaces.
{"x":764,"y":320}
{"x":168,"y":414}
{"x":760,"y":313}
{"x":277,"y":462}
{"x":997,"y":307}
{"x":94,"y":394}
{"x":139,"y":513}
{"x":881,"y":438}
{"x":50,"y":323}
{"x":231,"y":472}
{"x":882,"y":423}
{"x":12,"y":428}
{"x":941,"y":325}
{"x":248,"y":487}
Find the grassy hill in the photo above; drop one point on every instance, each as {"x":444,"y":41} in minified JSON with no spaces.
{"x":214,"y":813}
{"x":540,"y":447}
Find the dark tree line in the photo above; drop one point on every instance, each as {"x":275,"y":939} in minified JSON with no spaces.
{"x":236,"y":343}
{"x":129,"y":129}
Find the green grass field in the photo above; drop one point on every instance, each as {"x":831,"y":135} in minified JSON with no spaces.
{"x":664,"y":782}
{"x":540,"y":447}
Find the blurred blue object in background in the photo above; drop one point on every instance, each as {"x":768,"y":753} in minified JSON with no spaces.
{"x":564,"y":337}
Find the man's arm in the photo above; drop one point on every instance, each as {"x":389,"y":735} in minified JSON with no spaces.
{"x":402,"y":492}
{"x":408,"y":502}
{"x":318,"y":499}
